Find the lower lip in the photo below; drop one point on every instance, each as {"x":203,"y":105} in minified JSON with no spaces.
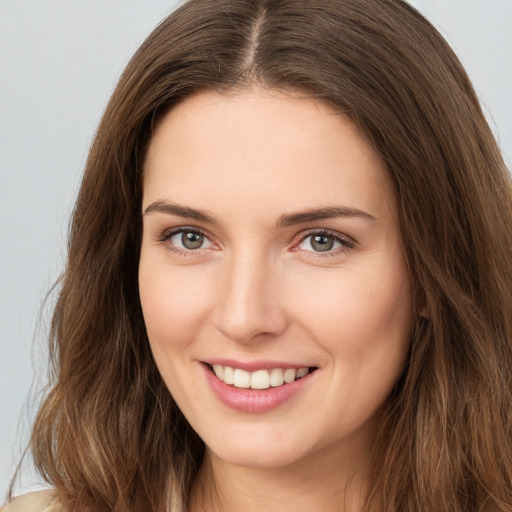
{"x":254,"y":400}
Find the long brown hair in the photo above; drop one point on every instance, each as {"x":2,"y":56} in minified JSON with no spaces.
{"x":109,"y":436}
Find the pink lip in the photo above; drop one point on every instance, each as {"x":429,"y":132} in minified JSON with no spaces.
{"x":254,"y":365}
{"x":254,"y":400}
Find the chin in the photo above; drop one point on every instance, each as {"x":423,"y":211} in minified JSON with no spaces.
{"x":257,"y":457}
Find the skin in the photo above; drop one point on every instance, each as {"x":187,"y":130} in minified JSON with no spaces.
{"x":257,"y":289}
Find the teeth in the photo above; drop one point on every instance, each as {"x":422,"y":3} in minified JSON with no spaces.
{"x":302,"y":372}
{"x":276,"y":377}
{"x":228,"y":375}
{"x":289,"y":375}
{"x":241,"y":379}
{"x":260,"y":379}
{"x":219,"y":371}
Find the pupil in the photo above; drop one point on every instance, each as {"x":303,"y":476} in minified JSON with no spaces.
{"x":192,"y":240}
{"x":322,"y":243}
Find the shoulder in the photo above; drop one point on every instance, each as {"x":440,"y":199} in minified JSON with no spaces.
{"x":41,"y":501}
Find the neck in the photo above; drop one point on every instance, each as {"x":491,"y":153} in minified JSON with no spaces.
{"x":322,"y":484}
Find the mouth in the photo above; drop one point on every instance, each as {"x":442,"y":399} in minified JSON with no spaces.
{"x":258,"y":379}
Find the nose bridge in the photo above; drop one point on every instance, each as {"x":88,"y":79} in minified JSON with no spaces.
{"x":248,"y":303}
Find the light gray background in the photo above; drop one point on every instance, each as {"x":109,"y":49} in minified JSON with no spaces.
{"x":59,"y":62}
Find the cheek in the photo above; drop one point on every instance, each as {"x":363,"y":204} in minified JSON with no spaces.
{"x":173,"y":303}
{"x":363,"y":322}
{"x":358,"y":312}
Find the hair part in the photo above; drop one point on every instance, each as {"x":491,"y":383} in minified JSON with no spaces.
{"x":109,"y":436}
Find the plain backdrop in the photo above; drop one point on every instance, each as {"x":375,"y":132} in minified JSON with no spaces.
{"x":59,"y":62}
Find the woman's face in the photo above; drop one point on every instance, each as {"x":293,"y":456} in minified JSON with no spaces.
{"x":272,"y":254}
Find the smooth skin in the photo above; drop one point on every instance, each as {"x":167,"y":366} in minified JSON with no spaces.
{"x":230,"y":268}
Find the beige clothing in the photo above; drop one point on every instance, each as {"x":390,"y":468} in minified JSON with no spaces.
{"x":41,"y":501}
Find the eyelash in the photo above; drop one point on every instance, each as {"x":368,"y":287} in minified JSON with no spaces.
{"x":167,"y":235}
{"x":345,"y":242}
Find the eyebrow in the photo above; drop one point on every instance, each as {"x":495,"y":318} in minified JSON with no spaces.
{"x":180,"y":211}
{"x":283,"y":221}
{"x":321,"y":214}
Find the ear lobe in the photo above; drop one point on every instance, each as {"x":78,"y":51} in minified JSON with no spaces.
{"x":423,"y":312}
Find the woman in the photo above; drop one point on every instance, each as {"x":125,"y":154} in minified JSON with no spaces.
{"x":289,"y":280}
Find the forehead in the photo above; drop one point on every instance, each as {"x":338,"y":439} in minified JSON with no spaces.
{"x":261,"y":148}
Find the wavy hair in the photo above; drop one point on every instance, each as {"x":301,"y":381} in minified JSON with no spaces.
{"x":109,"y":436}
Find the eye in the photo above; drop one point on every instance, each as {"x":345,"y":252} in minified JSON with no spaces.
{"x":324,"y":242}
{"x":186,"y":240}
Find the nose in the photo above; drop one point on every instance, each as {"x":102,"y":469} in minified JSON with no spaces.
{"x":249,"y":306}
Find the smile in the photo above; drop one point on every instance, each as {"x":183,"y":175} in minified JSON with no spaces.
{"x":259,"y":379}
{"x":258,"y":388}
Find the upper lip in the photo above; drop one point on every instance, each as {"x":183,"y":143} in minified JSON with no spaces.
{"x":251,"y":366}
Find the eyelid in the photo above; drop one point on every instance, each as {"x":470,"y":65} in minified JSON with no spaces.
{"x":346,"y":241}
{"x":167,"y":234}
